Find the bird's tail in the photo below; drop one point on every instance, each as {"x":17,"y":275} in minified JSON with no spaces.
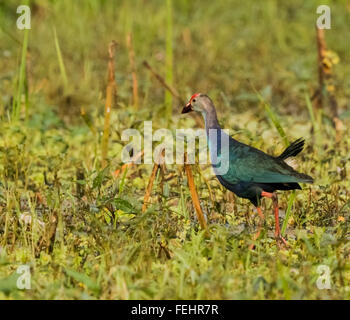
{"x":302,"y":177}
{"x":293,"y":149}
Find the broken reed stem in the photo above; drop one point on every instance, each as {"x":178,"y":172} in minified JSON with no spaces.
{"x":194,"y":195}
{"x":172,"y":90}
{"x":111,"y":92}
{"x":159,"y":165}
{"x":135,"y":94}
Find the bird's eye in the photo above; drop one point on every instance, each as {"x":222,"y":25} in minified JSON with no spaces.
{"x":194,"y":100}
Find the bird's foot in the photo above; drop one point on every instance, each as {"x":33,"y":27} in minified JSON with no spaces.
{"x":281,"y":242}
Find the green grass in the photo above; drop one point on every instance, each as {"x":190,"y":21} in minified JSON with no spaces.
{"x":60,"y":61}
{"x":17,"y":103}
{"x":169,"y":57}
{"x":104,"y":247}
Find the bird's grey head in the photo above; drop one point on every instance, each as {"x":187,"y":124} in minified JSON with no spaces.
{"x":201,"y":103}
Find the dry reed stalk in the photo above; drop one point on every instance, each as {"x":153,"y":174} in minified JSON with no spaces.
{"x":162,"y":168}
{"x":194,"y":195}
{"x":111,"y":92}
{"x":150,"y":186}
{"x":325,"y":75}
{"x":158,"y":165}
{"x":161,"y":80}
{"x":339,"y":128}
{"x":133,"y":70}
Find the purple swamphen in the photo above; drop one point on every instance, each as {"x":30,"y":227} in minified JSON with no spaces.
{"x":251,"y":173}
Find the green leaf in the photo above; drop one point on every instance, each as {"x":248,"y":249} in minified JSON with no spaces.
{"x":121,"y":204}
{"x":83,"y":278}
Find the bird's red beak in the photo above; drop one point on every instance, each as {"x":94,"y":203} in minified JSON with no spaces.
{"x":187,"y":108}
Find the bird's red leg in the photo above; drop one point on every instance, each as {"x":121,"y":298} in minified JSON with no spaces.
{"x":273,"y":196}
{"x":256,"y":236}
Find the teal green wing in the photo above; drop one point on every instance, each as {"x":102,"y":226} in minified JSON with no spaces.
{"x":252,"y":165}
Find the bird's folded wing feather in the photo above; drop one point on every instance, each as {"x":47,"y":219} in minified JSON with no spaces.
{"x":252,"y":165}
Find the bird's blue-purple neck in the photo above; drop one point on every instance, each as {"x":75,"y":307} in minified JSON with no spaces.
{"x":213,"y":131}
{"x":221,"y":145}
{"x":210,"y":120}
